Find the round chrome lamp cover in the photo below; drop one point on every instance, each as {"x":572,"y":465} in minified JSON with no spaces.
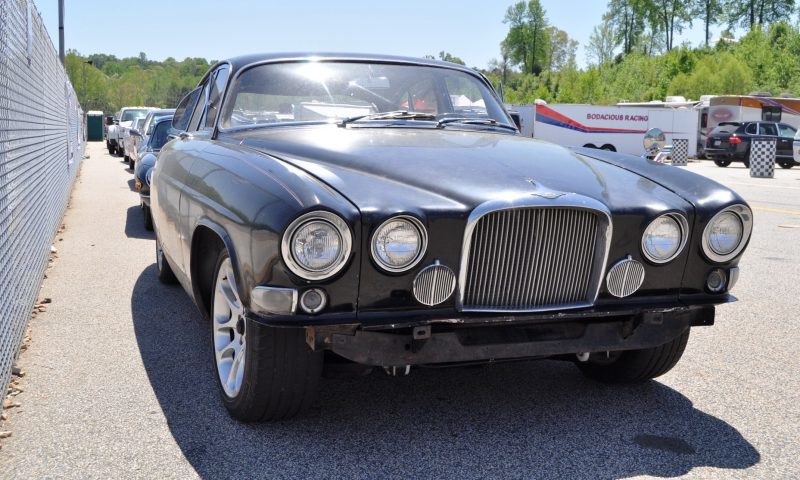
{"x":625,"y":277}
{"x":434,"y":284}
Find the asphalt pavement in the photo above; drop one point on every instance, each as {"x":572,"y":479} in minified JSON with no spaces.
{"x":119,"y":380}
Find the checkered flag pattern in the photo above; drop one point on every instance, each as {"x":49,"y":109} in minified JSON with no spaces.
{"x":762,"y":158}
{"x":680,"y":152}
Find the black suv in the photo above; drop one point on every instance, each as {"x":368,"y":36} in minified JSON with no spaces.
{"x":730,"y":142}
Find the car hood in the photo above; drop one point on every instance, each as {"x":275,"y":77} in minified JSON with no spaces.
{"x":404,"y":169}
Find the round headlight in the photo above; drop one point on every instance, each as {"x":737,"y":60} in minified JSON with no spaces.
{"x":399,"y":243}
{"x":664,"y":238}
{"x":727,"y":233}
{"x":316,"y":245}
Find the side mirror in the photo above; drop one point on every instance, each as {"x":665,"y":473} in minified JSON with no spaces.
{"x":135,"y":132}
{"x":654,"y":141}
{"x":116,"y":121}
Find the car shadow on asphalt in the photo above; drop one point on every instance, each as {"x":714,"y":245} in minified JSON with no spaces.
{"x":516,"y":420}
{"x":134,"y":224}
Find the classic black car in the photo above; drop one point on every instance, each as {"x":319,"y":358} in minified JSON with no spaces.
{"x":386,"y":211}
{"x":140,"y":144}
{"x":730,"y":142}
{"x":158,"y":128}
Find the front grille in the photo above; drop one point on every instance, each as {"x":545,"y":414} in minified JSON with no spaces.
{"x":527,"y":259}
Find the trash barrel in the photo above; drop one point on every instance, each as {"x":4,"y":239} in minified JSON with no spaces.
{"x":94,"y":126}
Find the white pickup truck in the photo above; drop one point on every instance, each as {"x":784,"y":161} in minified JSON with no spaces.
{"x":124,"y":119}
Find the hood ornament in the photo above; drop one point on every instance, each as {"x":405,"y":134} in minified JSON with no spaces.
{"x":550,"y":195}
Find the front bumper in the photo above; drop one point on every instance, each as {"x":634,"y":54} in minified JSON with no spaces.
{"x":443,"y":343}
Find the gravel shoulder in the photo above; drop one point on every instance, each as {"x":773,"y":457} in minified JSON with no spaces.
{"x":119,"y":380}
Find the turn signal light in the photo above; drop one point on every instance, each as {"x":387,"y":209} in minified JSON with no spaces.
{"x":735,"y":140}
{"x":138,"y":185}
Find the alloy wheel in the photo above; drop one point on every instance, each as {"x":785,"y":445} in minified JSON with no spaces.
{"x":229,"y":331}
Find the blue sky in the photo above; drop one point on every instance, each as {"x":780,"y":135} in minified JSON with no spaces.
{"x":217,"y":29}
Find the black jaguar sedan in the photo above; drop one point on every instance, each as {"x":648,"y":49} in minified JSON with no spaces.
{"x":385,"y":211}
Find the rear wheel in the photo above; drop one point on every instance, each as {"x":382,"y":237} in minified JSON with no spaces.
{"x":589,"y":145}
{"x":786,"y":164}
{"x":635,"y":366}
{"x":264,"y":373}
{"x":165,"y":273}
{"x":608,"y":147}
{"x":148,"y":218}
{"x":722,"y":163}
{"x":746,"y":163}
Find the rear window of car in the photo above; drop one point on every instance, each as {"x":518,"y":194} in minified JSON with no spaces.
{"x":725,"y":128}
{"x":133,"y":114}
{"x":787,"y":130}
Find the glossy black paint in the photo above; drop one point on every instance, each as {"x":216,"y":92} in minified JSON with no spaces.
{"x":246,"y":186}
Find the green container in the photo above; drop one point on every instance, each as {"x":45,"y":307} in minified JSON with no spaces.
{"x":94,"y":126}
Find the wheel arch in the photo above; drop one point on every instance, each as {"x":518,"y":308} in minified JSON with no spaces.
{"x":208,"y":239}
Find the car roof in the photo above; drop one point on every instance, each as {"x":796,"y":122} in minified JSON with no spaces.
{"x":244,"y":60}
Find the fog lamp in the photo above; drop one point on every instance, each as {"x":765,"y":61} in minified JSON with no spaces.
{"x":313,"y":300}
{"x":716,"y":280}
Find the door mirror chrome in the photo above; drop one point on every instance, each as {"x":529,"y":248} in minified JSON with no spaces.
{"x":185,"y":135}
{"x":654,"y":141}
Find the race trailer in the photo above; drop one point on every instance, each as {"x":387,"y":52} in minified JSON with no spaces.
{"x":751,"y":108}
{"x":618,"y":128}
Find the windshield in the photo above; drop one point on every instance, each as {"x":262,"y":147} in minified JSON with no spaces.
{"x":329,"y":91}
{"x":129,"y":115}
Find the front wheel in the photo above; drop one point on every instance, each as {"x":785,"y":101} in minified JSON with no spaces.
{"x":148,"y":219}
{"x":722,"y":163}
{"x":635,"y":366}
{"x":264,"y":373}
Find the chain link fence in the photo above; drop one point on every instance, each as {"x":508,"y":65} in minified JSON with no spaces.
{"x":41,"y":146}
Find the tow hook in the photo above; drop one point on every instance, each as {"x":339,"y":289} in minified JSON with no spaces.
{"x":583,"y":356}
{"x":419,"y":335}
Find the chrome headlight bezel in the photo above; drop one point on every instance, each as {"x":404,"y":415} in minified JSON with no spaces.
{"x":341,"y":259}
{"x":745,"y":215}
{"x":683,"y":226}
{"x":423,"y":244}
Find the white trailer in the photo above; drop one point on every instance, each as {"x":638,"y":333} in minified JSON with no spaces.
{"x":750,"y":108}
{"x":616,"y":128}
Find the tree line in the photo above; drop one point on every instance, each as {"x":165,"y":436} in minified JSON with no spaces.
{"x":633,"y":54}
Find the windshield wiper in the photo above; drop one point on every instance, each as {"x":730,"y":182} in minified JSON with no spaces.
{"x":395,"y":115}
{"x":473,"y":121}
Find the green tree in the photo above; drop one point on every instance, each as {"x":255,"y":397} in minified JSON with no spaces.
{"x":602,"y":43}
{"x":628,"y":19}
{"x":526,"y":40}
{"x":710,"y":11}
{"x":749,"y":13}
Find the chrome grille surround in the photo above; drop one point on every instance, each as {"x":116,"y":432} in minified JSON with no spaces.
{"x":434,"y":284}
{"x":550,"y":284}
{"x":625,"y":277}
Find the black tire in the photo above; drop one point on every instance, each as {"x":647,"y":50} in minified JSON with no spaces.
{"x":165,"y":273}
{"x":132,"y":164}
{"x":281,"y":372}
{"x":722,"y":163}
{"x":786,"y":164}
{"x":148,"y":218}
{"x":589,"y":145}
{"x":608,"y":147}
{"x":746,"y":163}
{"x":635,"y":366}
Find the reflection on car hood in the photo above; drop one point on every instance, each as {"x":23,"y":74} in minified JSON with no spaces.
{"x":394,"y":168}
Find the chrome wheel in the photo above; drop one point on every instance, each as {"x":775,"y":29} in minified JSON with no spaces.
{"x":229,"y":330}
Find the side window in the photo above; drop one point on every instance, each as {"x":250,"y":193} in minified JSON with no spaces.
{"x":787,"y":130}
{"x":184,"y":110}
{"x":421,"y":97}
{"x":215,"y":96}
{"x":751,"y":129}
{"x":465,"y":97}
{"x":200,"y":108}
{"x":768,"y":129}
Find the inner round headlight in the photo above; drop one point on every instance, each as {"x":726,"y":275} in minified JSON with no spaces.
{"x":316,"y":245}
{"x":725,"y":233}
{"x":664,"y":238}
{"x":399,"y":243}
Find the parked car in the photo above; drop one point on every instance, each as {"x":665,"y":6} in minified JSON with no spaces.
{"x":140,"y":134}
{"x":730,"y":142}
{"x":116,"y":133}
{"x":132,"y":139}
{"x":348,"y":205}
{"x":159,"y":129}
{"x":796,"y":148}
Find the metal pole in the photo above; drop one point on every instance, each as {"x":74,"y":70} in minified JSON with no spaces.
{"x":61,"y":31}
{"x":83,"y":100}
